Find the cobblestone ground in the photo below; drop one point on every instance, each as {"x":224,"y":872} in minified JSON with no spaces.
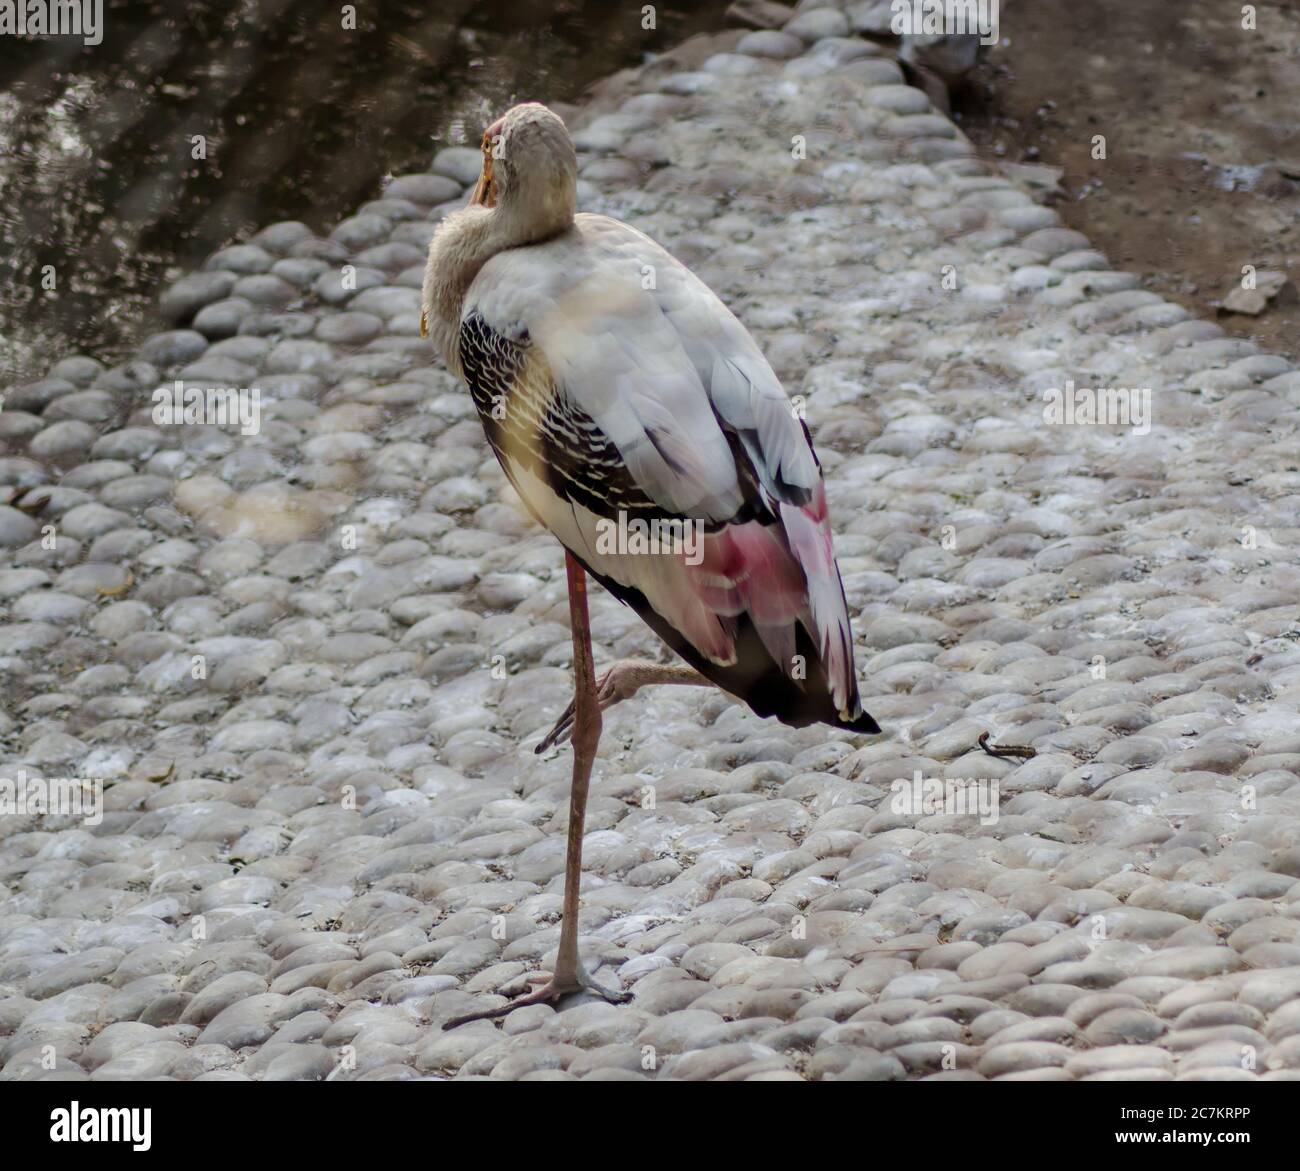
{"x":338,"y":836}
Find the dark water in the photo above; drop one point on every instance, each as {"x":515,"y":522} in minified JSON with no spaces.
{"x":303,"y":118}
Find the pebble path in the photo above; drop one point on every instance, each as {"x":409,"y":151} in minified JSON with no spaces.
{"x":329,"y":833}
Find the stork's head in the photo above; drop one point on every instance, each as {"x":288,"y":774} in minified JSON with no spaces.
{"x":530,"y":169}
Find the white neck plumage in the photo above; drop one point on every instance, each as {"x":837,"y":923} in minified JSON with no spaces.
{"x":466,"y":240}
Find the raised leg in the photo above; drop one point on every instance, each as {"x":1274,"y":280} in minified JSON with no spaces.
{"x":569,"y":975}
{"x":622,"y":681}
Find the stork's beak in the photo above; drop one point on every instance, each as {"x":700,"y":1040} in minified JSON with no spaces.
{"x":484,"y":193}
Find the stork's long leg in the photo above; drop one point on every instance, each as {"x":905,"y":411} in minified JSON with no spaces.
{"x":622,"y":681}
{"x":569,"y":975}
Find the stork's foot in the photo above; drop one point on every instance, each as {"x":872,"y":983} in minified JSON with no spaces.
{"x":551,"y":992}
{"x":622,"y":681}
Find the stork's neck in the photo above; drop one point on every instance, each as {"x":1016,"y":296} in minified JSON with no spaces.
{"x":465,"y":241}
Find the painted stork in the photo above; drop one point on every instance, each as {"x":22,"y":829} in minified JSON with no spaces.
{"x":616,"y":389}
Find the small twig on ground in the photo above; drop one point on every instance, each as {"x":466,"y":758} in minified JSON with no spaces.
{"x":1011,"y":750}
